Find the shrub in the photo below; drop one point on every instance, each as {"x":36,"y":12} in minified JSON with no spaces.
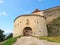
{"x":54,"y":27}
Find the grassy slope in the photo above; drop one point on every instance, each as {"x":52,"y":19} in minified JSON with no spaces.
{"x":50,"y":39}
{"x":9,"y":41}
{"x":54,"y":27}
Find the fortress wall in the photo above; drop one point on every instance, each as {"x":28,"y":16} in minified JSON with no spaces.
{"x":52,"y":15}
{"x":37,"y":23}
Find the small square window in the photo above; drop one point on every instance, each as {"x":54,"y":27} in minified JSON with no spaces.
{"x":27,"y":22}
{"x":34,"y":33}
{"x":39,"y":31}
{"x":37,"y":22}
{"x":20,"y":21}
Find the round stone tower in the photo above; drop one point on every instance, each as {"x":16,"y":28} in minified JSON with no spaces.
{"x":30,"y":24}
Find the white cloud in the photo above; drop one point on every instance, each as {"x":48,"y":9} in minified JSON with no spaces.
{"x":8,"y":31}
{"x":0,"y":13}
{"x":1,"y":1}
{"x":3,"y":13}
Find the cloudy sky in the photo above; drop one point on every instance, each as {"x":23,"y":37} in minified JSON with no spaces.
{"x":10,"y":9}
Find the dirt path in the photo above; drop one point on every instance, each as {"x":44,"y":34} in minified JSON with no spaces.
{"x":1,"y":43}
{"x":33,"y":41}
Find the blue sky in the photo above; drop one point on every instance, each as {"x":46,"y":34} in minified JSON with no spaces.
{"x":10,"y":9}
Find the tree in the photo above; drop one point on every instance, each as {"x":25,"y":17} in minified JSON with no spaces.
{"x":10,"y":35}
{"x":2,"y":36}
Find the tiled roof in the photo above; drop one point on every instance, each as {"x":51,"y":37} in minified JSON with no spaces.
{"x":36,"y":10}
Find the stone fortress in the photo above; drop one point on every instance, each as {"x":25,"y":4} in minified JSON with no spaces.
{"x":35,"y":24}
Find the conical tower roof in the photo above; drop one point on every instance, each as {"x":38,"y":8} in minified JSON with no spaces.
{"x":36,"y":10}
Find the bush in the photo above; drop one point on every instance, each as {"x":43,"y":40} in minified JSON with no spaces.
{"x":2,"y":36}
{"x":10,"y":36}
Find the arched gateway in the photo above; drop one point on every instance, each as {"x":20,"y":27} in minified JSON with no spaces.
{"x":27,"y":31}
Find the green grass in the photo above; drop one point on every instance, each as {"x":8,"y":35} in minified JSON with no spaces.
{"x":51,"y":39}
{"x":9,"y":41}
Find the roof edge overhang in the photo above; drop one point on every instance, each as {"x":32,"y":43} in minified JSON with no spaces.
{"x":28,"y":15}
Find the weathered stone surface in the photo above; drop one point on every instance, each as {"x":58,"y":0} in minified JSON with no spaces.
{"x":35,"y":22}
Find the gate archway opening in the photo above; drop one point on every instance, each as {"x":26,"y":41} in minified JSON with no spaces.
{"x":27,"y":31}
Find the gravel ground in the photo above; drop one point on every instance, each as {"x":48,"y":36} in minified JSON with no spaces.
{"x":28,"y":40}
